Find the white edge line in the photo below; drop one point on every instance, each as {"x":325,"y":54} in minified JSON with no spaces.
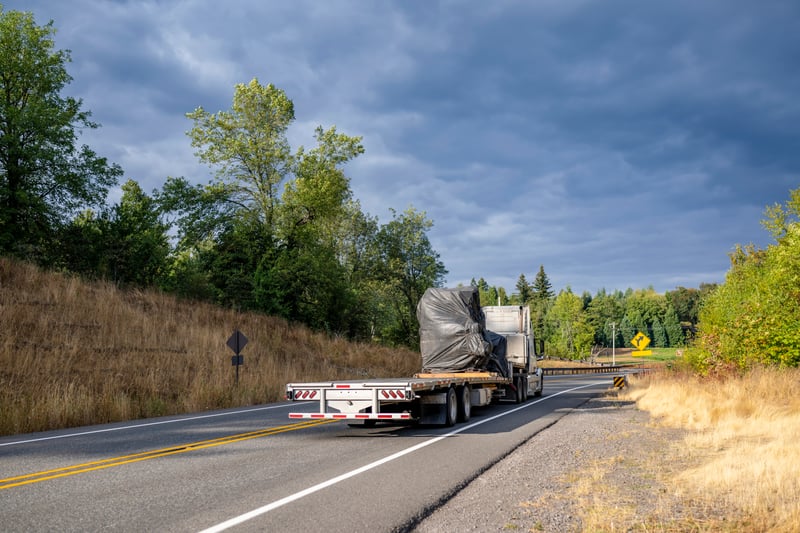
{"x":136,"y":426}
{"x":235,"y":521}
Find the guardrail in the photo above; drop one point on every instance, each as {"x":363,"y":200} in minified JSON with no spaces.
{"x":594,"y":370}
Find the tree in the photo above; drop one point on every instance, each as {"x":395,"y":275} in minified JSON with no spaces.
{"x":686,"y":303}
{"x":542,"y":289}
{"x":273,"y":217}
{"x":571,"y":333}
{"x":659,"y":334}
{"x":636,"y":321}
{"x":45,"y":177}
{"x":754,"y":317}
{"x":248,"y":145}
{"x":626,"y":330}
{"x":646,"y":305}
{"x":487,"y":293}
{"x":82,"y":245}
{"x":523,"y":290}
{"x":601,"y":312}
{"x":502,"y":297}
{"x":319,"y":192}
{"x":673,"y":327}
{"x":354,"y":237}
{"x":126,"y":244}
{"x":409,"y":266}
{"x":138,"y":239}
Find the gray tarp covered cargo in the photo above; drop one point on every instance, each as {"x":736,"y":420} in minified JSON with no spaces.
{"x":452,"y":332}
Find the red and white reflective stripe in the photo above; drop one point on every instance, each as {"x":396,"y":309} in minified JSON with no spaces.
{"x":305,"y":394}
{"x":393,"y":394}
{"x":353,"y":416}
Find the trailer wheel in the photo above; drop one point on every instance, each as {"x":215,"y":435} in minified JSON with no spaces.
{"x":464,"y":403}
{"x":524,"y":381}
{"x":451,"y":407}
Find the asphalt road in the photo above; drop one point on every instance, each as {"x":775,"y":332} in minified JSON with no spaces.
{"x":252,"y":469}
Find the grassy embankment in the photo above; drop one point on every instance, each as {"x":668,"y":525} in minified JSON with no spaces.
{"x":738,"y":466}
{"x":75,"y":353}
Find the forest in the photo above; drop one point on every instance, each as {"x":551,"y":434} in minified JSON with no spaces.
{"x":279,"y":231}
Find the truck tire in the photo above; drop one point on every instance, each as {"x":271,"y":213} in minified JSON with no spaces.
{"x":538,"y":392}
{"x":540,"y":385}
{"x":518,"y":386}
{"x":525,"y":385}
{"x":451,"y":407}
{"x":464,"y":403}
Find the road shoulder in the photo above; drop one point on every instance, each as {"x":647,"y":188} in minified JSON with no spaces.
{"x":600,"y":467}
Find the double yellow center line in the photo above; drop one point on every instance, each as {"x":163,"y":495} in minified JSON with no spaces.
{"x":65,"y":471}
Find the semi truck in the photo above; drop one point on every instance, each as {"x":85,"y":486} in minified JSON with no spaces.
{"x":465,"y":364}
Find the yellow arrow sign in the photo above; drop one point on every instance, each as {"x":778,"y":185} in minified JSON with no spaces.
{"x":640,"y":341}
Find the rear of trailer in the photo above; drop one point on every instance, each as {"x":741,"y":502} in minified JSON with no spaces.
{"x":427,"y":398}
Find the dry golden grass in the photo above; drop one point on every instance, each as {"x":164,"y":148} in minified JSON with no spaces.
{"x":75,"y":353}
{"x":743,"y":444}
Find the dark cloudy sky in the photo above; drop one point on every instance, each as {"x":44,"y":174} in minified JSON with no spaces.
{"x":618,"y":143}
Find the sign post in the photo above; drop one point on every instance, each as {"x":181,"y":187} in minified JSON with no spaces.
{"x":237,"y":342}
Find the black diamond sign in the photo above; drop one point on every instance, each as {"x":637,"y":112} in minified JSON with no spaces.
{"x":237,"y":342}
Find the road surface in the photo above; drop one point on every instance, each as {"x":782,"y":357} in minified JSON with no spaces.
{"x":252,"y":469}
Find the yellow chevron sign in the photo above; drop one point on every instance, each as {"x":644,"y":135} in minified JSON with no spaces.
{"x":640,"y":341}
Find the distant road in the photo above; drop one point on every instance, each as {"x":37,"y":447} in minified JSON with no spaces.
{"x":251,"y":469}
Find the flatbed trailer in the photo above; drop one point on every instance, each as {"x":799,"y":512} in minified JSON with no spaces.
{"x":425,"y":398}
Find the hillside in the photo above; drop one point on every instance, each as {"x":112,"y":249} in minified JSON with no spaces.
{"x":75,"y":353}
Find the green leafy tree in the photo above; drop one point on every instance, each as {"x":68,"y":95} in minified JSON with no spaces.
{"x":126,"y":244}
{"x":200,"y":213}
{"x":319,"y":192}
{"x":185,"y":274}
{"x":602,"y":310}
{"x":571,"y":335}
{"x":686,"y":303}
{"x":354,"y":237}
{"x":487,"y":294}
{"x":82,"y":245}
{"x":232,"y":259}
{"x":646,"y":305}
{"x":137,"y":239}
{"x":409,"y":266}
{"x":754,"y":317}
{"x":273,"y":216}
{"x":502,"y":296}
{"x":45,"y":177}
{"x":248,"y":145}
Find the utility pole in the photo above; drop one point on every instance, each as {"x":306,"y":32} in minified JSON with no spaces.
{"x":613,"y":344}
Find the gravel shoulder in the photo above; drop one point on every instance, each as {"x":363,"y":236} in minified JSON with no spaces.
{"x":603,"y":467}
